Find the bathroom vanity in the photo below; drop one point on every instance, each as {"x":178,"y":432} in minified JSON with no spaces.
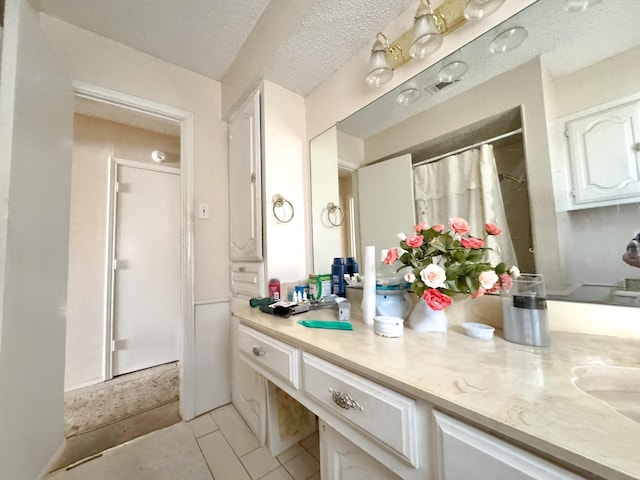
{"x":442,"y":406}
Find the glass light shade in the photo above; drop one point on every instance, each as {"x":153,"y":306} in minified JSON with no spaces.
{"x":508,"y":40}
{"x":408,"y":95}
{"x":426,"y":38}
{"x":477,"y":9}
{"x":379,"y":69}
{"x":452,"y":72}
{"x":579,"y":5}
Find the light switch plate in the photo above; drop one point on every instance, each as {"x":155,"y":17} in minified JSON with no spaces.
{"x":203,"y":210}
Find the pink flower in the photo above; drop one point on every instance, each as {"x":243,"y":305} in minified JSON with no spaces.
{"x":438,"y":228}
{"x":491,"y":229}
{"x":488,"y":279}
{"x":459,"y":225}
{"x":506,"y":281}
{"x":415,"y":241}
{"x":472,"y":242}
{"x":481,"y":291}
{"x":392,"y":256}
{"x":436,"y":299}
{"x":433,"y":276}
{"x":409,"y":277}
{"x":421,"y":226}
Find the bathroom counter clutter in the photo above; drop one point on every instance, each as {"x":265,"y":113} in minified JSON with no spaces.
{"x":520,"y":393}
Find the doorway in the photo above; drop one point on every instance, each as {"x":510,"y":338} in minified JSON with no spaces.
{"x":101,"y":412}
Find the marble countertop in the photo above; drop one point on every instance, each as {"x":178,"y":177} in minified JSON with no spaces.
{"x":523,"y":393}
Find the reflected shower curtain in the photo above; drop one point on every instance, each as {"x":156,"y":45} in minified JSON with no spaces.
{"x":467,"y":186}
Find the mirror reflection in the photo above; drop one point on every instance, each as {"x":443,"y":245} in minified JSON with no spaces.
{"x":557,"y":116}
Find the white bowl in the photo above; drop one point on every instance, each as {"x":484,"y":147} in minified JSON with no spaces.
{"x":478,"y":330}
{"x":388,"y":326}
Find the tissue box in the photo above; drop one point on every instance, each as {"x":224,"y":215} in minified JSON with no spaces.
{"x":319,"y":285}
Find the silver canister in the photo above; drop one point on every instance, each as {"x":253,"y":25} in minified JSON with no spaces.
{"x":524,"y":311}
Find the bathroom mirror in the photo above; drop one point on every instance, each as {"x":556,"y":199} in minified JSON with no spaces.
{"x":569,"y":63}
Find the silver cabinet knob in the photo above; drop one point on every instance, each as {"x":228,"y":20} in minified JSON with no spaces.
{"x":259,"y":351}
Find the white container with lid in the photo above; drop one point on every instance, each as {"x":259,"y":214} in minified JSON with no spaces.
{"x":388,"y":326}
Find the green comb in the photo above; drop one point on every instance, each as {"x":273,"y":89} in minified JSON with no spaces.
{"x":326,"y":324}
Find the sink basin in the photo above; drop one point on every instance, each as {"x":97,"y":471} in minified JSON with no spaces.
{"x":618,"y":387}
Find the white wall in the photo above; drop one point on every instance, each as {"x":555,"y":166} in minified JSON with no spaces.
{"x":98,"y":61}
{"x":35,"y":170}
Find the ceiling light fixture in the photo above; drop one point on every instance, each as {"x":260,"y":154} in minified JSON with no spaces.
{"x":508,"y":40}
{"x":423,"y":39}
{"x":574,"y":6}
{"x":409,"y":94}
{"x":452,"y":72}
{"x":477,"y":9}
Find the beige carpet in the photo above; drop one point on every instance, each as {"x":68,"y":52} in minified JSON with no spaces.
{"x":110,"y":413}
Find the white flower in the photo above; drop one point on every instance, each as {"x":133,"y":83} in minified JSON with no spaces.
{"x":409,"y":277}
{"x":488,"y":279}
{"x":401,"y":236}
{"x":515,"y":272}
{"x":433,"y":276}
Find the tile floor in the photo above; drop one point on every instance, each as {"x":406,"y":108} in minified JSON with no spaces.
{"x":215,"y":446}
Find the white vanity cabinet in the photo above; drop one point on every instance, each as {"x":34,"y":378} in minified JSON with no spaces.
{"x":245,"y":182}
{"x":267,"y":179}
{"x":604,"y":154}
{"x":465,"y":453}
{"x":248,"y":389}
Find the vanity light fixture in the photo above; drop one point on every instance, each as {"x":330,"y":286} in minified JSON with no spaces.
{"x":508,"y":40}
{"x":423,"y":38}
{"x":379,"y":69}
{"x":427,"y":37}
{"x":477,"y":9}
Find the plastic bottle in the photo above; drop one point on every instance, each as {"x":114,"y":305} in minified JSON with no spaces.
{"x":351,"y":266}
{"x":274,"y":288}
{"x":337,"y":277}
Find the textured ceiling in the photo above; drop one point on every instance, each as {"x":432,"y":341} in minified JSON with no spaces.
{"x":205,"y":36}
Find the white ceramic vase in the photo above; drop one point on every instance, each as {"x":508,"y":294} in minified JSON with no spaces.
{"x":423,"y":319}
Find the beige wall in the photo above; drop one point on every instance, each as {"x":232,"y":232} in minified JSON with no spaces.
{"x":95,"y":140}
{"x":95,"y":60}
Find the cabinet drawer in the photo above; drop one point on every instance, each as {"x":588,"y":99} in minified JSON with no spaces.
{"x":271,"y":357}
{"x":389,"y":417}
{"x":247,"y":279}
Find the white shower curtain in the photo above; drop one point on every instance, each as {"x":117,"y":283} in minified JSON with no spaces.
{"x":467,"y":186}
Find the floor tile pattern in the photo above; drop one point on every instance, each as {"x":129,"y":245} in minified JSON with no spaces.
{"x":215,"y":446}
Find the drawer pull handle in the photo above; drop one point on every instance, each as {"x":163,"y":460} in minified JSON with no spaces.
{"x":344,"y":400}
{"x":259,"y":352}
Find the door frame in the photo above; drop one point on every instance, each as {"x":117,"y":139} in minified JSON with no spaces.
{"x":112,"y":211}
{"x":187,"y":161}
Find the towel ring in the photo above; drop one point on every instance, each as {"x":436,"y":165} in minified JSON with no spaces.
{"x":280,"y":202}
{"x":332,"y":209}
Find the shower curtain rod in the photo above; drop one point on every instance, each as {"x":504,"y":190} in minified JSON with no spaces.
{"x":464,"y":149}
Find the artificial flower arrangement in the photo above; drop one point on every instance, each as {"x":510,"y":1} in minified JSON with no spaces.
{"x":444,"y":263}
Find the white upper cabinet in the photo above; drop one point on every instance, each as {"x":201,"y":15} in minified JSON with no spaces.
{"x":245,"y":191}
{"x":604,"y":153}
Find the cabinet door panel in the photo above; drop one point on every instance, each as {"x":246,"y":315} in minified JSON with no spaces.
{"x":466,"y":453}
{"x":342,"y":460}
{"x":245,"y":214}
{"x":603,"y":153}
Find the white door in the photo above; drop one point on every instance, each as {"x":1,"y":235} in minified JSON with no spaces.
{"x":36,"y":132}
{"x":147,"y":277}
{"x":385,"y":202}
